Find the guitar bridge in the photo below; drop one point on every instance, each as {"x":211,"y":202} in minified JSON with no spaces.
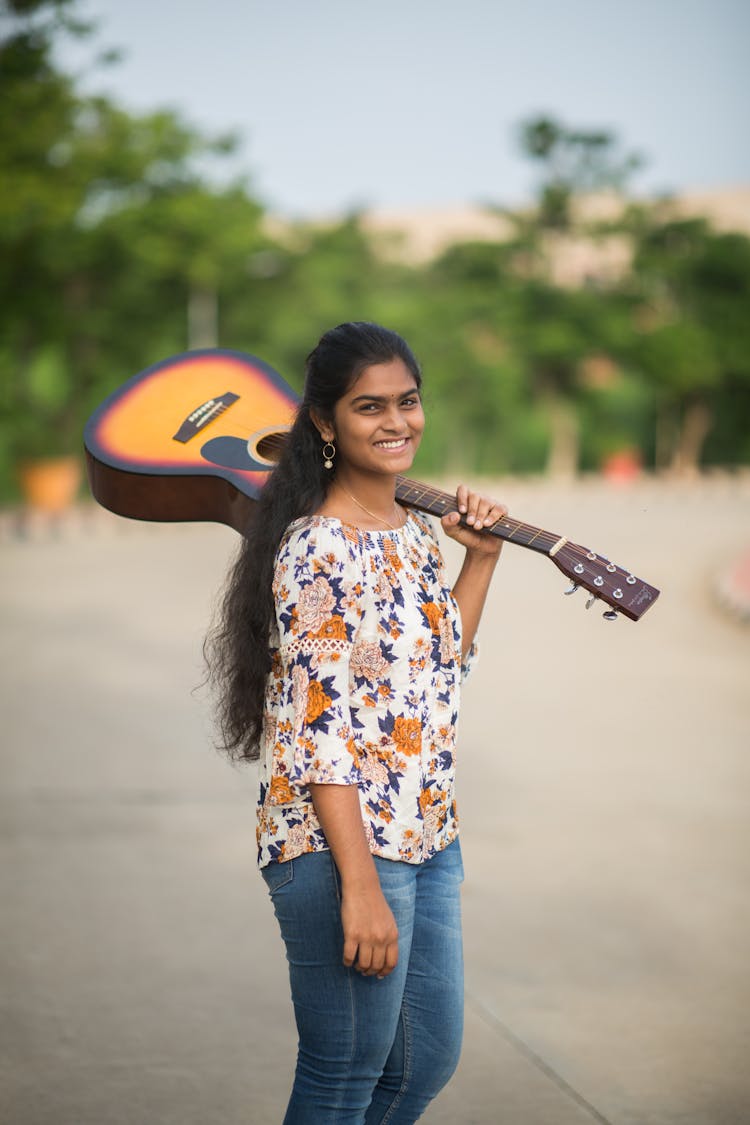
{"x":203,"y":414}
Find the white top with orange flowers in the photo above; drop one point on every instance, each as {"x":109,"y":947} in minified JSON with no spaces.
{"x":363,"y":690}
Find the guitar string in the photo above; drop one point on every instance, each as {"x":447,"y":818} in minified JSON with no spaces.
{"x":255,"y":424}
{"x":435,"y":496}
{"x":431,"y":495}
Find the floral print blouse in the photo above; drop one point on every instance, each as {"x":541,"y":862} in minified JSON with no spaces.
{"x":363,"y":690}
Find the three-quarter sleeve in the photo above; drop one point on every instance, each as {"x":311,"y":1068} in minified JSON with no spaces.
{"x":318,"y":595}
{"x":470,"y":659}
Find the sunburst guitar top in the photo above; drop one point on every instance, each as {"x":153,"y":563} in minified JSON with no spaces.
{"x":193,"y":437}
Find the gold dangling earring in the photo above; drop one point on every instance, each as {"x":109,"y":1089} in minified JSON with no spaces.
{"x":329,"y":452}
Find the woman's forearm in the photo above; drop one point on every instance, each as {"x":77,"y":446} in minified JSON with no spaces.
{"x":470,"y":592}
{"x":482,"y":552}
{"x":338,"y":809}
{"x":370,"y":931}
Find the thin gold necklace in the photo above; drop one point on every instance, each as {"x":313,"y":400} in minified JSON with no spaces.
{"x":367,"y":510}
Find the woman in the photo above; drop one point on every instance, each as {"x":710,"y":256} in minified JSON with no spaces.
{"x":339,"y":654}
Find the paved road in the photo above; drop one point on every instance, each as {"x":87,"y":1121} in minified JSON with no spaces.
{"x":604,"y":791}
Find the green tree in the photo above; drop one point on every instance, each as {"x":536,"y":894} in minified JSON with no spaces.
{"x":572,"y":162}
{"x":294,"y":288}
{"x":559,"y":328}
{"x":694,"y":338}
{"x":107,"y":233}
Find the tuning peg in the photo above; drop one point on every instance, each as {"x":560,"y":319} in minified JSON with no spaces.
{"x":590,"y":601}
{"x":572,"y":589}
{"x":610,"y":615}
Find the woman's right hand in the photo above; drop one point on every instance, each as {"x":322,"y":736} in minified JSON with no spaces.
{"x":370,"y":931}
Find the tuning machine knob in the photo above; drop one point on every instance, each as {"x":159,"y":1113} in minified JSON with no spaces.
{"x":571,"y":590}
{"x":610,"y":615}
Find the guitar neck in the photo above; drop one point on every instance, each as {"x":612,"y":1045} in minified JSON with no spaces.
{"x":413,"y":494}
{"x":620,"y":589}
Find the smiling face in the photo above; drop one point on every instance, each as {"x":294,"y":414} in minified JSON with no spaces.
{"x":378,"y":423}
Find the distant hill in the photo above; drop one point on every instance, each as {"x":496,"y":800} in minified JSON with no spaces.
{"x":415,"y":235}
{"x":420,"y":234}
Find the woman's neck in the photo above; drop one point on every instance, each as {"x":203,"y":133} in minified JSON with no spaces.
{"x":365,"y":502}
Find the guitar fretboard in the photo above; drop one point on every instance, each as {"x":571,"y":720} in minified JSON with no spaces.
{"x":413,"y":494}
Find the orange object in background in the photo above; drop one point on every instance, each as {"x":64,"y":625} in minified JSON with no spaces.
{"x":623,"y":466}
{"x":51,"y":484}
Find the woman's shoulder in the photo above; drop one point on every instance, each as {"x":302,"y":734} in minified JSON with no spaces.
{"x":321,"y":536}
{"x":423,"y":534}
{"x":424,"y":524}
{"x":336,"y":540}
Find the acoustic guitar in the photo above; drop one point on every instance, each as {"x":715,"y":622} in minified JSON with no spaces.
{"x":195,"y":436}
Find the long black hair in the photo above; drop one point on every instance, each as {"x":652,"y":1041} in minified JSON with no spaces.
{"x":236,"y":649}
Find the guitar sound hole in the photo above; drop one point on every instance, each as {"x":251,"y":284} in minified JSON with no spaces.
{"x":270,"y":445}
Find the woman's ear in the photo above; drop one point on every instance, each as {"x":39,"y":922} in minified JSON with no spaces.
{"x":325,"y":429}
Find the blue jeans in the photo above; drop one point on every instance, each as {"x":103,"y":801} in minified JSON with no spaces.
{"x":372,"y":1051}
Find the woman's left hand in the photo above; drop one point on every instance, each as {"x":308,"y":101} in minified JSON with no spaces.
{"x":480,"y":512}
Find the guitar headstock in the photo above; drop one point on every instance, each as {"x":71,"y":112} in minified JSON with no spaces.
{"x":604,"y":580}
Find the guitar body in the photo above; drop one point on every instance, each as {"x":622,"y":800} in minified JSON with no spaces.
{"x":191,"y":438}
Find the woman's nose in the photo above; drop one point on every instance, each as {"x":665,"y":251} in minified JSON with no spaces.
{"x":392,"y":419}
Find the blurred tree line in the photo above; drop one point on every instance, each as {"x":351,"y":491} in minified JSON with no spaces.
{"x":116,"y":251}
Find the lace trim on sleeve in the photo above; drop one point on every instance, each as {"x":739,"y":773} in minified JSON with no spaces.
{"x":318,"y":646}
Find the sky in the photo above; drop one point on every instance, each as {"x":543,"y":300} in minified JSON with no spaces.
{"x":343,"y":105}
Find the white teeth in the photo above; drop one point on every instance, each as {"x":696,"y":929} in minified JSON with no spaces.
{"x":391,"y":444}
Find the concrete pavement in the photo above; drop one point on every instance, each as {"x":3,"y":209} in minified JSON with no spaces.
{"x":604,"y":793}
